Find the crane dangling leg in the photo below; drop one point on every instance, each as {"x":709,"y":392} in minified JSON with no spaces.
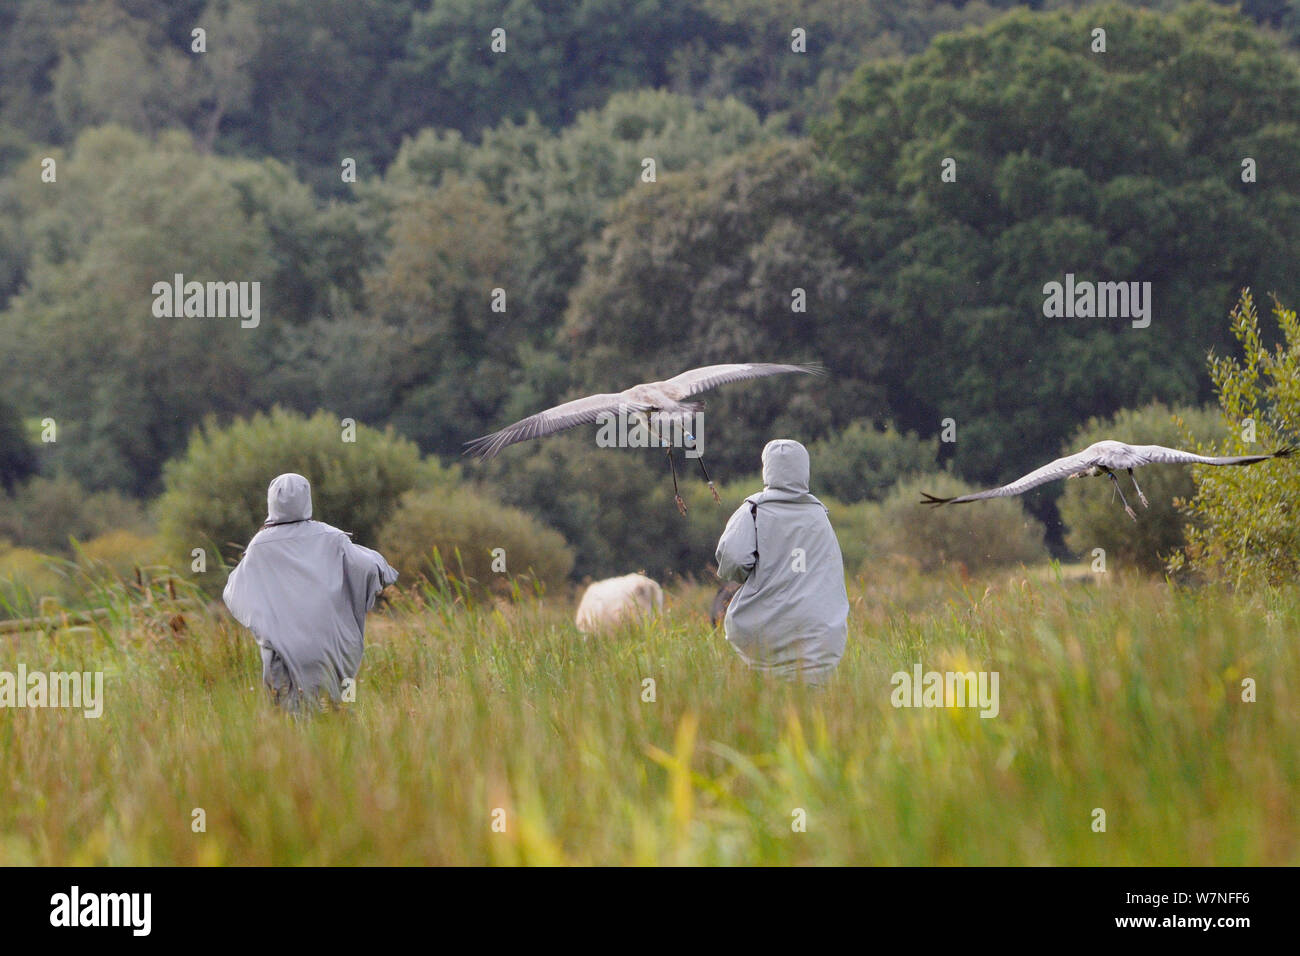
{"x":681,"y":505}
{"x":700,"y":459}
{"x":1141,"y":497}
{"x":1131,"y":513}
{"x":695,"y":446}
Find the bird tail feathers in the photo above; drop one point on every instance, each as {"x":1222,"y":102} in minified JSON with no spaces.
{"x":929,"y":499}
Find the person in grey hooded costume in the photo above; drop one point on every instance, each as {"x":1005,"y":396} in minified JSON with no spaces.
{"x":790,"y":616}
{"x":303,"y":588}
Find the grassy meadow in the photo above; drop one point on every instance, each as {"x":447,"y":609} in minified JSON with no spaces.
{"x":1120,"y":694}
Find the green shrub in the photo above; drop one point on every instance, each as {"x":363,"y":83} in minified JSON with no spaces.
{"x":863,"y":462}
{"x":26,"y":576}
{"x":215,"y":494}
{"x":1093,"y":513}
{"x":856,"y":528}
{"x":17,"y":454}
{"x":978,"y":535}
{"x":46,"y":513}
{"x":468,"y":522}
{"x":1247,"y":528}
{"x":118,"y":554}
{"x":615,"y":505}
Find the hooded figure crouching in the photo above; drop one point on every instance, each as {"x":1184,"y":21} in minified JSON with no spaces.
{"x":303,"y":588}
{"x":790,"y":616}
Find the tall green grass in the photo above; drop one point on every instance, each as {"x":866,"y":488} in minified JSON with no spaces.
{"x":1123,"y":695}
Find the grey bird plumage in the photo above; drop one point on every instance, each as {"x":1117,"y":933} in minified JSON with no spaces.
{"x":664,"y":401}
{"x":1105,"y":458}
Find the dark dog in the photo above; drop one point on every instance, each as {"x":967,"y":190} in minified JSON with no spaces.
{"x":721,"y":600}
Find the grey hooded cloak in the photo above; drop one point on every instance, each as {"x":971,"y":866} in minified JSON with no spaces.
{"x":790,"y":616}
{"x":303,"y":588}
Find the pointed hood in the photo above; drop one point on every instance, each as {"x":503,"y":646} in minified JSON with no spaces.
{"x":785,"y":473}
{"x":785,"y":466}
{"x":288,"y":499}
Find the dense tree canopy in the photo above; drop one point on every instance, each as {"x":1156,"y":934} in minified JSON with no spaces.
{"x":17,"y":457}
{"x":504,"y":246}
{"x":435,"y":349}
{"x":1116,"y":166}
{"x":313,"y":81}
{"x":738,"y":262}
{"x":87,"y":349}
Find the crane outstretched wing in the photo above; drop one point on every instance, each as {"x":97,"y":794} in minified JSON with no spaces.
{"x":580,"y":411}
{"x":1061,"y":468}
{"x":1131,"y":456}
{"x":1159,"y":454}
{"x":708,"y":376}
